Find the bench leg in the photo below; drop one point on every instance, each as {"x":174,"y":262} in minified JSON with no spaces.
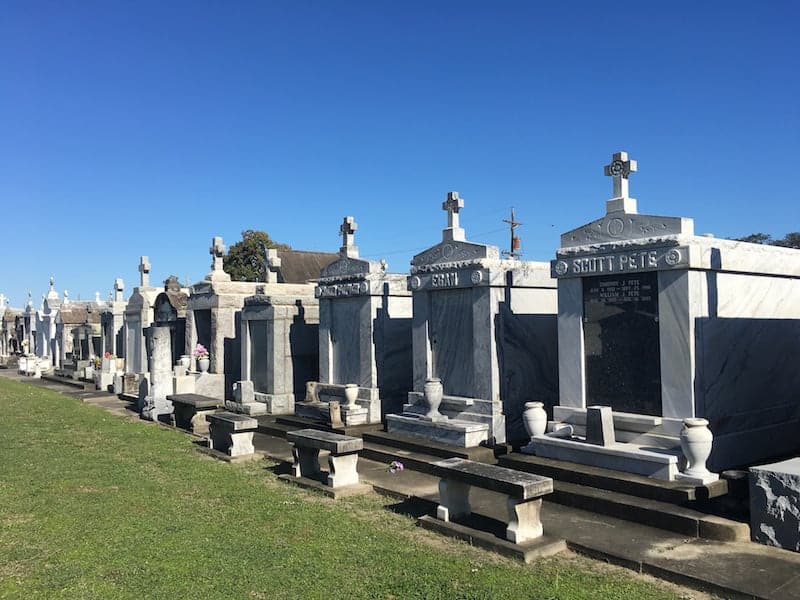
{"x":306,"y":462}
{"x":343,"y":470}
{"x":453,"y":498}
{"x":241,"y":444}
{"x":524,"y":521}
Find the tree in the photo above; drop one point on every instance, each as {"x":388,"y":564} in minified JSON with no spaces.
{"x":245,"y":259}
{"x":790,"y":240}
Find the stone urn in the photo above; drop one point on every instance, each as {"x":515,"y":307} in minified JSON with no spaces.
{"x":350,"y":395}
{"x":185,"y":361}
{"x":696,"y":441}
{"x":432,"y":394}
{"x":534,"y":417}
{"x":203,"y":364}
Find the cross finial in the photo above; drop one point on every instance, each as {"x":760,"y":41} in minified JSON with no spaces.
{"x":348,"y":230}
{"x":273,"y":265}
{"x":217,"y":251}
{"x":3,"y":301}
{"x":119,"y":287}
{"x":619,"y":169}
{"x":453,"y":205}
{"x":144,"y":270}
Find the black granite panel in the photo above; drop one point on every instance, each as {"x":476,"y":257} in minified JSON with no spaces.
{"x":350,"y":329}
{"x":258,"y":356}
{"x":451,"y":334}
{"x":393,"y":360}
{"x":620,"y":321}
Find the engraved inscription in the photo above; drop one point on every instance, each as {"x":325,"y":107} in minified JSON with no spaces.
{"x":637,"y":260}
{"x":445,"y":279}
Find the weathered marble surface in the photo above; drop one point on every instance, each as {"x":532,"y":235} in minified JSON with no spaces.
{"x":451,"y":333}
{"x":775,"y":504}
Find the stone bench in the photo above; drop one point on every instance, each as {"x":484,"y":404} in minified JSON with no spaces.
{"x":231,"y":433}
{"x":342,"y":460}
{"x":524,"y":493}
{"x":190,"y":411}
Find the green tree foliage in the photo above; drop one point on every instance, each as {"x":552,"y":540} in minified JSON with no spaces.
{"x":790,"y":240}
{"x":245,"y":259}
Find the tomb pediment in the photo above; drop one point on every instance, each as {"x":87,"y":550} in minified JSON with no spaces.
{"x":350,"y":267}
{"x":623,"y":226}
{"x":450,"y":254}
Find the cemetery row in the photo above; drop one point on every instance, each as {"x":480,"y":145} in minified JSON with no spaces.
{"x":641,"y":348}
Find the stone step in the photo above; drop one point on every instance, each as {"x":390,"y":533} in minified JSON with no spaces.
{"x":416,"y":461}
{"x":269,"y":426}
{"x":64,"y":381}
{"x":662,"y":515}
{"x":421,"y":446}
{"x":618,"y":481}
{"x":306,"y":423}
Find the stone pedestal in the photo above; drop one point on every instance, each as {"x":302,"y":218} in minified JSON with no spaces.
{"x":156,"y":404}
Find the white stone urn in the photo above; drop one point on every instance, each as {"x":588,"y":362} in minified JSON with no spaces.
{"x":534,"y":417}
{"x":696,"y":442}
{"x":185,"y":361}
{"x":433,"y":392}
{"x":203,"y":364}
{"x":351,"y":394}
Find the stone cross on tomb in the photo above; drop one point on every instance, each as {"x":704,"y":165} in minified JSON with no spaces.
{"x":453,"y":205}
{"x":619,"y":169}
{"x":217,"y":251}
{"x":119,"y":287}
{"x":273,"y":265}
{"x":144,"y":270}
{"x":348,"y":232}
{"x":97,"y":297}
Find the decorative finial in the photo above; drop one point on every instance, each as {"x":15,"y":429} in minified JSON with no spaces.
{"x":144,"y":270}
{"x":619,"y":169}
{"x":348,"y":230}
{"x":453,"y":204}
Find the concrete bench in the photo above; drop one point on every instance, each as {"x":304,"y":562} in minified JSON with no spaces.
{"x":342,"y":460}
{"x":524,"y":493}
{"x":190,"y":411}
{"x":231,"y":433}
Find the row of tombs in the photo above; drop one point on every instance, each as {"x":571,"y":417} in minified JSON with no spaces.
{"x":642,"y":347}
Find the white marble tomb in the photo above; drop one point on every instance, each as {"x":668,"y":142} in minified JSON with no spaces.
{"x":364,"y":337}
{"x":485,"y":327}
{"x":662,"y":325}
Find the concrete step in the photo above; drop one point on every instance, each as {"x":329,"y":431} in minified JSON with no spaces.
{"x":416,"y":461}
{"x":616,"y":481}
{"x":305,"y":423}
{"x":64,"y":381}
{"x":268,"y":425}
{"x":419,"y":445}
{"x":663,"y":515}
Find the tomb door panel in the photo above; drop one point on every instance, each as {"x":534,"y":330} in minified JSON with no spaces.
{"x":202,"y":324}
{"x":621,"y":341}
{"x":451,"y":338}
{"x":350,"y":333}
{"x":259,"y":374}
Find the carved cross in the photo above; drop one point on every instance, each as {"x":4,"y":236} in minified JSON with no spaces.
{"x":144,"y":270}
{"x":217,"y":250}
{"x":119,"y":287}
{"x":348,"y":230}
{"x":452,"y":205}
{"x":273,"y":265}
{"x":619,"y":169}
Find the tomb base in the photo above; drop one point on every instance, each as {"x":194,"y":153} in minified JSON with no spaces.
{"x":156,"y":409}
{"x":204,"y":384}
{"x":321,"y":412}
{"x":246,"y":408}
{"x":367,"y":408}
{"x":462,"y":434}
{"x":276,"y":404}
{"x":620,"y":456}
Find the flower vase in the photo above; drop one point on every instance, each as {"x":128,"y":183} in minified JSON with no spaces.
{"x":203,"y":364}
{"x":534,"y":417}
{"x":696,"y":441}
{"x":350,"y":395}
{"x":185,"y":361}
{"x":433,"y":392}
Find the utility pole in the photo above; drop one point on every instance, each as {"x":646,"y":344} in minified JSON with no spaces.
{"x":515,"y":251}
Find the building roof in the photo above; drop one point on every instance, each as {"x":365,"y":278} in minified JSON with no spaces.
{"x":301,"y":266}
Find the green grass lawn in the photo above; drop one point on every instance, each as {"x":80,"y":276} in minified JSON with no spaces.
{"x":95,"y":506}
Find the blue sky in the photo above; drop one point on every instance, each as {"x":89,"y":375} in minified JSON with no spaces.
{"x":131,"y":128}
